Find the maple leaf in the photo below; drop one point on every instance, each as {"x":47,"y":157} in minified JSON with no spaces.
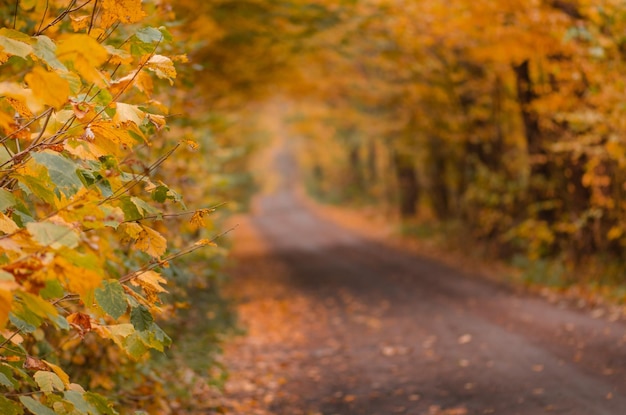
{"x":48,"y":87}
{"x":125,"y":11}
{"x":197,"y":219}
{"x":150,"y":282}
{"x":162,"y":66}
{"x":126,"y":112}
{"x":79,"y":280}
{"x":150,"y":242}
{"x":112,"y":131}
{"x":85,"y":54}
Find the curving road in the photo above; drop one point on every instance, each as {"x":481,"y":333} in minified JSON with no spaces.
{"x":369,"y":329}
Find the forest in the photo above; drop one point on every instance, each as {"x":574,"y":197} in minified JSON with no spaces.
{"x":127,"y":128}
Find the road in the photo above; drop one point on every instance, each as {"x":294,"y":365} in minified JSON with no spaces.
{"x":344,"y":324}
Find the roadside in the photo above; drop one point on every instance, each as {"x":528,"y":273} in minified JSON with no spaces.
{"x":341,"y":324}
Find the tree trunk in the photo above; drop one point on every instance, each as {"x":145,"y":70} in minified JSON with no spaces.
{"x":438,"y":190}
{"x":408,"y":187}
{"x":539,"y":161}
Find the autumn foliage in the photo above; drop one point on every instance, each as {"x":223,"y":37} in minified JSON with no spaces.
{"x":502,"y":120}
{"x":86,"y":213}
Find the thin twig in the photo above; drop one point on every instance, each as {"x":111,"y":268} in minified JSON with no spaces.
{"x":128,"y":186}
{"x":178,"y":214}
{"x":151,"y":265}
{"x":17,"y":5}
{"x":23,"y":127}
{"x":43,"y":17}
{"x":60,"y":17}
{"x":43,"y":129}
{"x":93,"y":15}
{"x":8,"y":340}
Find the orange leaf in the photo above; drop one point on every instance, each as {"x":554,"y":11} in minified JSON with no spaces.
{"x":125,"y":11}
{"x":6,"y":300}
{"x":32,"y":363}
{"x":151,"y":242}
{"x":48,"y":87}
{"x":85,"y":54}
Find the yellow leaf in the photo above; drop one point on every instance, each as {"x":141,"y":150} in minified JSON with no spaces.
{"x":144,"y":83}
{"x":615,"y":233}
{"x":112,"y":132}
{"x":19,"y":105}
{"x":6,"y":300}
{"x":80,"y":22}
{"x":192,"y":144}
{"x":157,"y":120}
{"x":197,"y":219}
{"x":85,"y":54}
{"x":59,"y":372}
{"x":7,"y":225}
{"x":125,"y":11}
{"x":126,"y":112}
{"x":131,"y":229}
{"x":162,"y":66}
{"x":48,"y":87}
{"x":79,"y":280}
{"x":151,"y":242}
{"x":152,"y":280}
{"x":122,"y":84}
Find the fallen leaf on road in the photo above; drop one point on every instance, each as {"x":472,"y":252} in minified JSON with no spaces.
{"x":464,"y":339}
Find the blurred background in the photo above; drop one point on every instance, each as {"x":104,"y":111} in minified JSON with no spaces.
{"x":499,"y":123}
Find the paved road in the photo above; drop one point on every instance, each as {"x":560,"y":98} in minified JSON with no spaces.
{"x":382,"y":331}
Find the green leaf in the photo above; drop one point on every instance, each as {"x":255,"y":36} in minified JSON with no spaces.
{"x":53,"y":289}
{"x":62,"y":171}
{"x":60,"y":322}
{"x":149,"y":35}
{"x":48,"y":381}
{"x":13,"y":42}
{"x":144,"y":208}
{"x":74,"y":80}
{"x":134,"y":346}
{"x":160,"y":194}
{"x":141,"y":318}
{"x":60,"y":405}
{"x":102,"y":404}
{"x":155,"y":338}
{"x":77,"y":399}
{"x":22,"y":325}
{"x":5,"y":381}
{"x":45,"y":49}
{"x":6,"y":200}
{"x":38,"y":305}
{"x":9,"y":407}
{"x":36,"y":407}
{"x":53,"y":235}
{"x":112,"y":299}
{"x":167,"y":36}
{"x":130,"y":209}
{"x":7,"y":373}
{"x":39,"y":186}
{"x":139,"y":48}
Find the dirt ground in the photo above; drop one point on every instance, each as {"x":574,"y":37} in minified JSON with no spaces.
{"x":340,"y":322}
